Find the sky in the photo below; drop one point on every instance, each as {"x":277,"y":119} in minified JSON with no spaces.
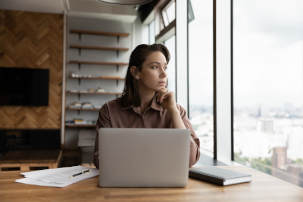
{"x":268,"y":52}
{"x":200,"y":54}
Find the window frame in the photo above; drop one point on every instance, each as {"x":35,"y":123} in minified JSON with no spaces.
{"x":222,"y":80}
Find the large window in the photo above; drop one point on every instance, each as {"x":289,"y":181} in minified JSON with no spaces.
{"x":268,"y":87}
{"x":200,"y":36}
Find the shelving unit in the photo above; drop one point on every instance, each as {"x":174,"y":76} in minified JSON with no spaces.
{"x":99,"y":48}
{"x":97,"y":63}
{"x":97,"y":59}
{"x":93,"y":32}
{"x":94,"y":93}
{"x":80,"y":125}
{"x":81,"y":109}
{"x":81,"y":62}
{"x":98,"y":77}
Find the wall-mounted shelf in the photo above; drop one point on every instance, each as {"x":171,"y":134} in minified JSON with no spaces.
{"x":80,"y":125}
{"x":99,"y":48}
{"x":81,"y":109}
{"x":94,"y":93}
{"x":92,"y":32}
{"x":99,"y":77}
{"x":97,"y":63}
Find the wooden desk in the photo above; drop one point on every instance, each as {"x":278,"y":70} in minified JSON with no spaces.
{"x":263,"y":188}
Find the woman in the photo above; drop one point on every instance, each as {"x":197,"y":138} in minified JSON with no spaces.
{"x":145,"y":101}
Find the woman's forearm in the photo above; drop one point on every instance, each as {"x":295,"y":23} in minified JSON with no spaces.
{"x":177,"y":121}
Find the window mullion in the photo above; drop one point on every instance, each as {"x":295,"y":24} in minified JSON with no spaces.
{"x":223,"y":67}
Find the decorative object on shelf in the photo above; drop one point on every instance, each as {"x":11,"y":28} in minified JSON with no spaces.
{"x":87,"y":105}
{"x":99,"y":90}
{"x":91,"y":90}
{"x":97,"y":106}
{"x":83,"y":105}
{"x":79,"y":121}
{"x":74,"y":75}
{"x":90,"y":76}
{"x":69,"y":121}
{"x":75,"y":105}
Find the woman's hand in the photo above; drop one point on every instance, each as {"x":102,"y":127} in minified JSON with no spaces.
{"x":167,"y":99}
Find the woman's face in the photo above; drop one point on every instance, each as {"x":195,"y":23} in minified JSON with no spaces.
{"x":152,"y":75}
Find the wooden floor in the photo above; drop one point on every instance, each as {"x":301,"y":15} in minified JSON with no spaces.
{"x":263,"y":188}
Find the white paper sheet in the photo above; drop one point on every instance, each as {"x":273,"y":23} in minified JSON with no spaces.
{"x":58,"y":177}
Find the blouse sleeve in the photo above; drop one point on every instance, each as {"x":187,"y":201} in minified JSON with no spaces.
{"x":102,"y":122}
{"x":194,"y":140}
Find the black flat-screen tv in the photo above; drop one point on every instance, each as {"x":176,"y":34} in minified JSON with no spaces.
{"x":24,"y":86}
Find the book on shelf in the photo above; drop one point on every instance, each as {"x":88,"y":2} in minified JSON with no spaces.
{"x":80,"y":121}
{"x":219,"y":176}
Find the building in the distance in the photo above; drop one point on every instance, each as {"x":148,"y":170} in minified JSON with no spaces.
{"x":266,"y":126}
{"x":279,"y":157}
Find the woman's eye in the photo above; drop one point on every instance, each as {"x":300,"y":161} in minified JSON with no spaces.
{"x":154,"y":67}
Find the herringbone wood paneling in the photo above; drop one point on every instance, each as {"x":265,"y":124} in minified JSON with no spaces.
{"x":33,"y":40}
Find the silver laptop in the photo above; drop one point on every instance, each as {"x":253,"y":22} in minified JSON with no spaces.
{"x":137,"y":157}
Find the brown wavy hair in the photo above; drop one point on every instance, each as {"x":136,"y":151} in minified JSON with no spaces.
{"x":130,"y":95}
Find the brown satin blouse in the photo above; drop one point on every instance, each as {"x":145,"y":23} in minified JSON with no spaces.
{"x":114,"y":115}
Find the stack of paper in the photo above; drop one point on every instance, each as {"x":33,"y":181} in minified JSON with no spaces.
{"x":58,"y":177}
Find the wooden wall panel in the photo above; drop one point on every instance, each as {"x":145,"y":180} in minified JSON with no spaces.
{"x":33,"y":40}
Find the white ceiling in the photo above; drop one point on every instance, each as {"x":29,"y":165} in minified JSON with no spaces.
{"x":84,"y":8}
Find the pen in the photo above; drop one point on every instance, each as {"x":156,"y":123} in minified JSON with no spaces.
{"x":80,"y":173}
